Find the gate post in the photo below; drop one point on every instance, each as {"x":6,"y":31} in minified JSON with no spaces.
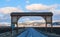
{"x":12,"y":28}
{"x":51,"y":25}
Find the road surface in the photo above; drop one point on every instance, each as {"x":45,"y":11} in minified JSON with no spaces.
{"x":31,"y":32}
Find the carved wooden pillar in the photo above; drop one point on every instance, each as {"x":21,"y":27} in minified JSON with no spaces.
{"x":49,"y":21}
{"x":12,"y":25}
{"x":17,"y":24}
{"x":45,"y":22}
{"x":51,"y":25}
{"x":16,"y":28}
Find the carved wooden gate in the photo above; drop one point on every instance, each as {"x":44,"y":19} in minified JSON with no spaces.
{"x":16,"y":15}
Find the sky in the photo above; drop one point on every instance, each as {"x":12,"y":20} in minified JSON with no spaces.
{"x":9,"y":6}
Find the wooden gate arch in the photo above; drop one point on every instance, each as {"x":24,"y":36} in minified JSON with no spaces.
{"x":47,"y":16}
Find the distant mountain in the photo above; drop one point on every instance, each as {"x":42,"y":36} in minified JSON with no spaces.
{"x":56,"y":23}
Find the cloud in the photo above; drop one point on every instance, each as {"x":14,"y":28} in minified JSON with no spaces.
{"x":7,"y":10}
{"x":36,"y":20}
{"x":23,"y":19}
{"x":40,"y":7}
{"x":56,"y":12}
{"x":5,"y":17}
{"x":56,"y":21}
{"x":26,"y":19}
{"x":5,"y":24}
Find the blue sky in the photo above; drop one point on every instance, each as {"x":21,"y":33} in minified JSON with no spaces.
{"x":8,"y":6}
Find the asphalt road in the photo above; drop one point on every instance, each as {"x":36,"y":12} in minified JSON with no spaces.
{"x":31,"y":32}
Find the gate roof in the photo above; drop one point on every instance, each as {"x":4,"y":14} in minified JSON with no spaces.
{"x":31,"y":14}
